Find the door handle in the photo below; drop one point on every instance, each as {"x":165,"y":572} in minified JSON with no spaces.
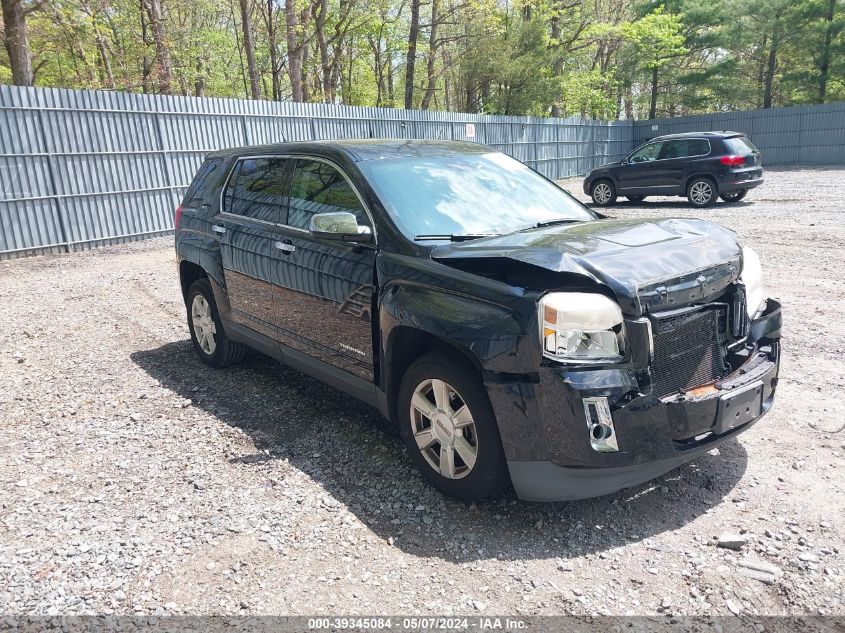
{"x":285,"y":247}
{"x":218,"y":229}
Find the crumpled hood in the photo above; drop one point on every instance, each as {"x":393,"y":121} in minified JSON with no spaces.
{"x":649,"y":264}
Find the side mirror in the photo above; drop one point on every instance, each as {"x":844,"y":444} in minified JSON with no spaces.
{"x":624,"y":161}
{"x":341,"y":226}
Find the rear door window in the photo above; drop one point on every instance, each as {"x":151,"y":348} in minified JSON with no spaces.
{"x":257,"y":189}
{"x":195,"y":194}
{"x":685,"y":148}
{"x":317,"y":187}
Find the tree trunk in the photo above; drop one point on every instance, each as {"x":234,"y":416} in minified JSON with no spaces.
{"x":391,"y":91}
{"x":295,"y":51}
{"x":472,"y":96}
{"x":771,"y":63}
{"x":432,"y":53}
{"x":322,"y":45}
{"x":824,"y":66}
{"x":557,"y":65}
{"x":17,"y":41}
{"x":249,"y":49}
{"x":146,"y":66}
{"x":104,"y":54}
{"x":652,"y":111}
{"x":410,"y":60}
{"x":199,"y":84}
{"x":153,"y":8}
{"x":274,"y":53}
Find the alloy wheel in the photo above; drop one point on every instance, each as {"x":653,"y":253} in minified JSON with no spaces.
{"x":204,"y":327}
{"x":602,"y":193}
{"x":444,"y":429}
{"x":701,"y":192}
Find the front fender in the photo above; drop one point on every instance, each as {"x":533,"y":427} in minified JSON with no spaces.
{"x":494,"y":336}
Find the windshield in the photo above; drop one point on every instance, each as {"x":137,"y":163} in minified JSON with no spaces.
{"x":468,"y":194}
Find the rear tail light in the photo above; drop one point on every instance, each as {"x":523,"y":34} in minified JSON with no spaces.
{"x":733,"y":161}
{"x":177,"y":217}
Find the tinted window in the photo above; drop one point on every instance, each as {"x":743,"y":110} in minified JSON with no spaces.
{"x":196,"y":192}
{"x":739,"y":145}
{"x":318,"y":187}
{"x":683,"y":148}
{"x":467,"y":193}
{"x":256,"y":189}
{"x":646,"y":153}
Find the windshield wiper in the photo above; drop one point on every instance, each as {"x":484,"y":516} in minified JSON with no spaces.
{"x":555,"y":221}
{"x":456,"y":237}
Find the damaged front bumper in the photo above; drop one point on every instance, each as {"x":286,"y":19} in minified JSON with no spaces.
{"x":553,"y":455}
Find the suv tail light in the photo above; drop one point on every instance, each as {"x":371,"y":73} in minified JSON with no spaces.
{"x":733,"y":161}
{"x":177,"y":217}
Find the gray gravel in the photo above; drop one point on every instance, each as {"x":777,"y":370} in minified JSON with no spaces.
{"x":133,"y":479}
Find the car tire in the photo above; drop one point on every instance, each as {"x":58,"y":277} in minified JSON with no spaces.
{"x":449,"y":428}
{"x":734,"y":196}
{"x":702,"y":192}
{"x":207,"y":334}
{"x":635,"y":199}
{"x":603,"y":192}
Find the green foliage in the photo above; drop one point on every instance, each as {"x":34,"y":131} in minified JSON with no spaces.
{"x":605,"y":58}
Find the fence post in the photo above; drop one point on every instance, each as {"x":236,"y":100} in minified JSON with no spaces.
{"x":245,"y":129}
{"x":54,"y":190}
{"x":165,"y":155}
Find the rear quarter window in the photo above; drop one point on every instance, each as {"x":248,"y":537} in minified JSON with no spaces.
{"x":197,"y":190}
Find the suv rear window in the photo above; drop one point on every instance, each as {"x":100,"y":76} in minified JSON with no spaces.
{"x":739,"y":145}
{"x":196,"y":192}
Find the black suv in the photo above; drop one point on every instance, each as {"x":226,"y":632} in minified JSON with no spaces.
{"x":512,"y":333}
{"x":699,"y":165}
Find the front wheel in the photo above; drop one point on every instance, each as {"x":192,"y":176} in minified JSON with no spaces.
{"x":210,"y":341}
{"x":450,"y":429}
{"x":603,"y":193}
{"x":734,"y":196}
{"x":701,"y":192}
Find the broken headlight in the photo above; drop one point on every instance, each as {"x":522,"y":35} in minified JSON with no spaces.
{"x":581,"y":327}
{"x":752,"y":278}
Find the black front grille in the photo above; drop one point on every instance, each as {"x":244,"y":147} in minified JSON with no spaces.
{"x":688,"y":350}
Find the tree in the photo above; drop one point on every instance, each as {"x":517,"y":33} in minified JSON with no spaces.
{"x":411,"y":57}
{"x":16,"y":39}
{"x":249,"y":48}
{"x":602,"y":58}
{"x":159,"y":32}
{"x":657,"y":39}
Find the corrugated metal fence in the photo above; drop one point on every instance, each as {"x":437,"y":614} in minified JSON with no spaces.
{"x":800,"y":135}
{"x":83,"y":168}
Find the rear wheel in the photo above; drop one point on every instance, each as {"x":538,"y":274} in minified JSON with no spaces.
{"x":450,"y":429}
{"x":210,"y":341}
{"x":701,"y":192}
{"x":734,"y":196}
{"x":635,"y":198}
{"x":603,"y":193}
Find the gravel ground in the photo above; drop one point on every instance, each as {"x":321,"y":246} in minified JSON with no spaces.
{"x":133,"y":479}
